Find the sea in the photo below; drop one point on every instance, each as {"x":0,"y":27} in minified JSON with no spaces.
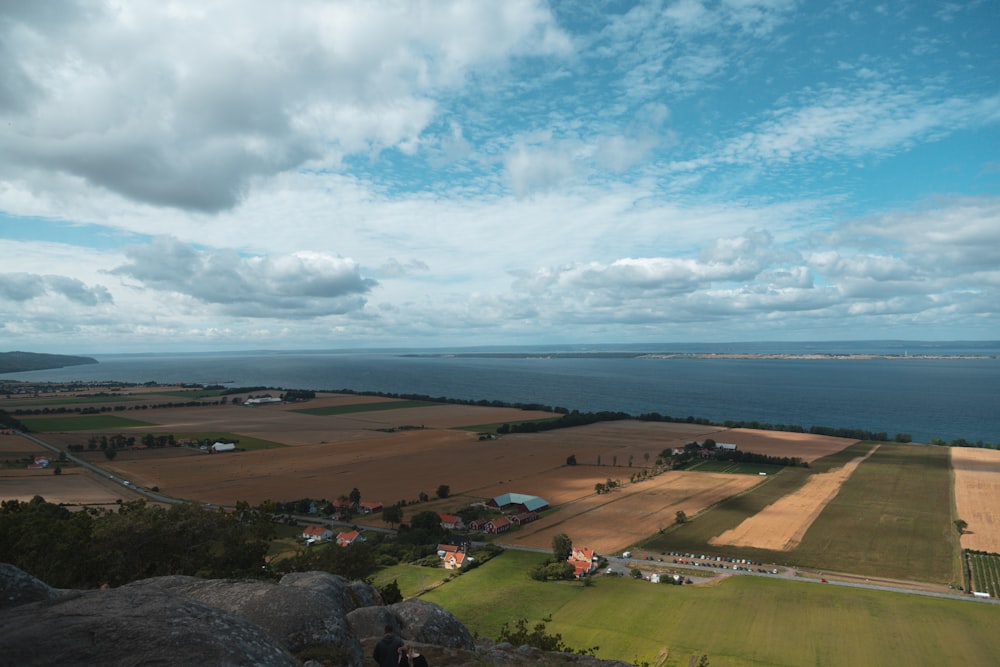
{"x":929,"y":390}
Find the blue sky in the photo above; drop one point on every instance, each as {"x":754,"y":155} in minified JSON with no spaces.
{"x":245,"y":175}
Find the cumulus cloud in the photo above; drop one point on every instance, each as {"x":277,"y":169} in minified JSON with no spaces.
{"x":186,"y":105}
{"x":23,"y":287}
{"x":302,"y":285}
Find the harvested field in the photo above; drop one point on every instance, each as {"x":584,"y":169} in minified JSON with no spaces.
{"x":612,"y":521}
{"x":385,"y":466}
{"x":15,"y":446}
{"x":283,"y":424}
{"x":977,"y":496}
{"x":75,"y":486}
{"x":806,"y":446}
{"x":782,"y":524}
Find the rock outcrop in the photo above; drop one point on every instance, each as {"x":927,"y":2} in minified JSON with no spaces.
{"x":18,"y":587}
{"x":312,"y":617}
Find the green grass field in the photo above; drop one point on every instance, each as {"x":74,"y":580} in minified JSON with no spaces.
{"x":412,"y":579}
{"x":191,"y":394}
{"x":246,"y":442}
{"x":80,"y":423}
{"x":743,"y":621}
{"x":492,"y":428}
{"x":365,"y":407}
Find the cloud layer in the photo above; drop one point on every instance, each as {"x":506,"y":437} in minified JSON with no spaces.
{"x":322,"y":174}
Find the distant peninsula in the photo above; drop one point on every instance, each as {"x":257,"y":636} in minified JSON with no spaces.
{"x":17,"y":362}
{"x":692,"y":355}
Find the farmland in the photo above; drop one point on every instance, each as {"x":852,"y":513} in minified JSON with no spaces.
{"x":741,"y":621}
{"x":885,"y":512}
{"x":984,"y":571}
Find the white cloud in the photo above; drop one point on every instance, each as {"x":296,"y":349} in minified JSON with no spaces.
{"x":306,"y":284}
{"x":197,"y":112}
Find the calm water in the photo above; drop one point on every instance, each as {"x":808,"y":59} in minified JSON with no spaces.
{"x":947,"y":398}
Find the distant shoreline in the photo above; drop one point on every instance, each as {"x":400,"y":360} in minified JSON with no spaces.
{"x":687,"y":355}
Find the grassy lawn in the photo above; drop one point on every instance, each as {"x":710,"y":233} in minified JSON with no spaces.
{"x":365,"y":407}
{"x":742,"y":621}
{"x":80,"y":423}
{"x":412,"y":579}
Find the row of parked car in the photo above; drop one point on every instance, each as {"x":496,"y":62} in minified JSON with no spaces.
{"x":720,"y":562}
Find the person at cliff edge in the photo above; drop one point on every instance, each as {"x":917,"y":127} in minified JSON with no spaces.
{"x":387,"y":649}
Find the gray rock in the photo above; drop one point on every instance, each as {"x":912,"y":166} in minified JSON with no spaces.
{"x":133,"y":626}
{"x":18,"y":587}
{"x":428,"y":623}
{"x":371,"y":621}
{"x":300,"y":617}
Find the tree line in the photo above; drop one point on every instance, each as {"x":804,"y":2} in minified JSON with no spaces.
{"x":92,"y":547}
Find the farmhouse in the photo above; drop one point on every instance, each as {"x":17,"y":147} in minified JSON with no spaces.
{"x":456,"y":560}
{"x":444,"y":549}
{"x":263,"y":400}
{"x":223,"y":447}
{"x":584,"y":561}
{"x":451,"y":522}
{"x":368,"y":508}
{"x":348,"y":538}
{"x":317,"y":534}
{"x":497,"y":525}
{"x":518,"y":503}
{"x":40,"y":462}
{"x":523,"y":517}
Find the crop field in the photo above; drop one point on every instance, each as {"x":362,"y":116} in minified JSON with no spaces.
{"x":364,"y":407}
{"x":889,"y":519}
{"x":742,"y":621}
{"x":977,"y":496}
{"x":75,"y":486}
{"x":985,"y":572}
{"x":80,"y":423}
{"x":781,"y":525}
{"x":732,"y":468}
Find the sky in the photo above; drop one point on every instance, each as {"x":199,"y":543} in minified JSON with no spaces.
{"x":244,"y":174}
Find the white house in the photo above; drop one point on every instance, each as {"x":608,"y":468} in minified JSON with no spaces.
{"x":223,"y":447}
{"x":262,"y":400}
{"x":317,"y":534}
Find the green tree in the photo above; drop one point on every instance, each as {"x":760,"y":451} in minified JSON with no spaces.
{"x":443,"y":491}
{"x":110,"y":453}
{"x":681,"y":517}
{"x":961,"y":525}
{"x":355,"y":496}
{"x":519,"y":635}
{"x":562,"y":547}
{"x":391,"y":593}
{"x":571,"y":460}
{"x":392,"y":514}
